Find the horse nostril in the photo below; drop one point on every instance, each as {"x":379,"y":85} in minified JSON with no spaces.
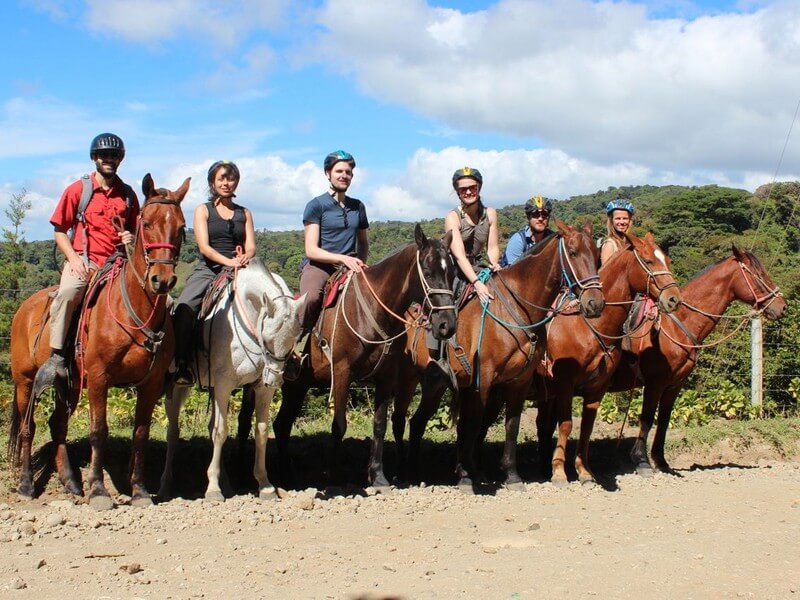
{"x":172,"y":281}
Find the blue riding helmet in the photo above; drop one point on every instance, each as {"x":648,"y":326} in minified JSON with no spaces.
{"x":339,"y":155}
{"x":620,"y":204}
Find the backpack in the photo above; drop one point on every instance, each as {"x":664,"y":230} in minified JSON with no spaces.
{"x":86,"y":196}
{"x":526,"y":244}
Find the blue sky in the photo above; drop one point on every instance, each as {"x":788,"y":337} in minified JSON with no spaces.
{"x":552,"y":98}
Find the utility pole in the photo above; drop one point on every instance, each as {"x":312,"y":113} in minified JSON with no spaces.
{"x":756,"y":364}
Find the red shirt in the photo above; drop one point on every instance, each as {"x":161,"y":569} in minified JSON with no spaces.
{"x":100,"y":234}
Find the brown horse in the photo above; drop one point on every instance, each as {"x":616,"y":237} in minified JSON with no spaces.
{"x":665,"y":358}
{"x":497,"y":347}
{"x":359,"y":334}
{"x":126,"y":338}
{"x":582,"y":356}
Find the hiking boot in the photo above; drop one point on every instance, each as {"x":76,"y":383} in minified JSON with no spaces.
{"x":183,"y":376}
{"x":293,"y":366}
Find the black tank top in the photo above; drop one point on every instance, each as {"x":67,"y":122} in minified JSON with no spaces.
{"x":224,"y":235}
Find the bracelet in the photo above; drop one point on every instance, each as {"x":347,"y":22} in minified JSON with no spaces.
{"x":474,"y":281}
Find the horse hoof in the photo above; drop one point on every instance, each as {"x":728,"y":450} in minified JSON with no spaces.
{"x":73,"y":488}
{"x":268,"y":494}
{"x":588,"y":484}
{"x":101,"y":502}
{"x":560,"y":482}
{"x":514,"y":486}
{"x":380,"y":481}
{"x":465,"y":487}
{"x":375,"y":489}
{"x":215,"y":497}
{"x":25,"y":493}
{"x":645,"y":470}
{"x":142,"y":501}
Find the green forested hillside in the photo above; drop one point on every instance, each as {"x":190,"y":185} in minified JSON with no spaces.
{"x":695,"y":225}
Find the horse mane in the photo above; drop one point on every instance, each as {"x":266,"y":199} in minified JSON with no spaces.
{"x":538,"y":248}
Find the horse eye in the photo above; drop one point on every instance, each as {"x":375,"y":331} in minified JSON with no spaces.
{"x":146,"y":225}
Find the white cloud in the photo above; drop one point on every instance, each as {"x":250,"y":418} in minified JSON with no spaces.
{"x":597,"y":79}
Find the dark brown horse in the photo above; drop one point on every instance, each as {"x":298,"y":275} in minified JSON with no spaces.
{"x":582,"y":356}
{"x":665,"y":358}
{"x":359,"y":334}
{"x":126,"y":338}
{"x":497,"y":348}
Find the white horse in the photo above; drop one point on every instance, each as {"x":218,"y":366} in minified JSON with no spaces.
{"x":248,"y":336}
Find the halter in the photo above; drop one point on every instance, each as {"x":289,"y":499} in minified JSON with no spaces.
{"x":589,"y":283}
{"x":147,"y":247}
{"x":653,"y":275}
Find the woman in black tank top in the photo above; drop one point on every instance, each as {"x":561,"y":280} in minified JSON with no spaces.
{"x":225,"y":238}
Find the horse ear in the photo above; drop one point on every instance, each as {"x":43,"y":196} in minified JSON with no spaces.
{"x":650,"y":238}
{"x":562,"y":227}
{"x":419,"y":237}
{"x":148,"y":186}
{"x":180,"y":193}
{"x":268,"y":304}
{"x":737,"y":253}
{"x":588,"y":228}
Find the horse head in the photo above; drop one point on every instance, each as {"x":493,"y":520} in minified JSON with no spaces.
{"x":579,"y":257}
{"x":277,"y":326}
{"x":756,"y":287}
{"x":159,"y":235}
{"x":660,"y":284}
{"x":436,"y":275}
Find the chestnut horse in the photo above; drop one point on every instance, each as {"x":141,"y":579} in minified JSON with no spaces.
{"x":359,"y":334}
{"x":498,"y":353}
{"x":582,"y":356}
{"x":126,"y":339}
{"x":665,"y":358}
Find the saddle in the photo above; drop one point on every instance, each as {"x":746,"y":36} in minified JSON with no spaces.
{"x":643,"y":309}
{"x":334,"y":286}
{"x":215,"y":292}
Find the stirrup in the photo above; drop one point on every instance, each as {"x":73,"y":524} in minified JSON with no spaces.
{"x":293,"y":366}
{"x":183,"y":377}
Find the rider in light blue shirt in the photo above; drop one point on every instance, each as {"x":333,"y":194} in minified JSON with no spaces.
{"x":538,"y":210}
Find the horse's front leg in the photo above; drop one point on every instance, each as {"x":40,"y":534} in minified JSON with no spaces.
{"x":263,"y":396}
{"x":99,"y":498}
{"x":25,"y":426}
{"x":148,"y":394}
{"x":59,"y":424}
{"x":591,"y":403}
{"x":659,"y":440}
{"x":651,"y":396}
{"x":292,"y":394}
{"x":434,"y":384}
{"x":173,"y":402}
{"x":563,"y":414}
{"x":218,"y":432}
{"x":470,"y":419}
{"x":341,"y":392}
{"x":406,"y":384}
{"x":383,"y":391}
{"x":514,"y":400}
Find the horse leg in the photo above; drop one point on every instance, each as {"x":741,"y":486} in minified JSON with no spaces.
{"x":664,"y":413}
{"x":434,"y":384}
{"x":147,"y":395}
{"x":651,"y":397}
{"x":59,"y":424}
{"x":514,"y":400}
{"x":375,"y":475}
{"x":563,"y":416}
{"x":591,"y":403}
{"x":245,"y":422}
{"x":262,"y":398}
{"x":23,"y":429}
{"x":545,"y":427}
{"x":469,"y":426}
{"x":218,"y":432}
{"x":406,"y":384}
{"x":99,"y":498}
{"x":340,"y":391}
{"x":292,"y":394}
{"x":173,"y":401}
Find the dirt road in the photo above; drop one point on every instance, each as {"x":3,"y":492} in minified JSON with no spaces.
{"x":713,"y":531}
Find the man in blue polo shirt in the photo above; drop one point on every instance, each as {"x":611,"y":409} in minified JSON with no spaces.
{"x":538,"y":210}
{"x":335,"y":228}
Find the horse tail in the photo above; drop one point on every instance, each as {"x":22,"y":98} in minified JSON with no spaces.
{"x":12,"y":448}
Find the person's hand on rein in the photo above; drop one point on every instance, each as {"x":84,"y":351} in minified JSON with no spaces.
{"x":483,"y":292}
{"x":354,"y":263}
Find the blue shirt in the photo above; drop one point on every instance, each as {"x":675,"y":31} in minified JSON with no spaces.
{"x":338,"y":226}
{"x":519,"y":244}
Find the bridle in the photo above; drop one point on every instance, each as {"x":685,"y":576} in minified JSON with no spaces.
{"x":571,"y":282}
{"x":760,"y":303}
{"x":652,"y":276}
{"x":429,"y":291}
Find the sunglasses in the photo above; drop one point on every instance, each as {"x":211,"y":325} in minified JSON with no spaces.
{"x":108,"y":154}
{"x":467,"y":189}
{"x":539,"y":214}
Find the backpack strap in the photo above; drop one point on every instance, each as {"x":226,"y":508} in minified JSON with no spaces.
{"x":86,"y":196}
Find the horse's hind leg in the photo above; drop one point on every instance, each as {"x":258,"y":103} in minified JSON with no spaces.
{"x":406,"y":384}
{"x":651,"y":396}
{"x":263,"y":396}
{"x":434,"y":384}
{"x":218,"y":431}
{"x":514,"y":400}
{"x":172,"y":405}
{"x":245,"y":422}
{"x":664,"y":413}
{"x":148,"y":395}
{"x":591,"y":403}
{"x":59,"y":424}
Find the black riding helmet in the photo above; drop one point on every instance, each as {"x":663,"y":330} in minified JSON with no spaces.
{"x":338,"y":156}
{"x":468,"y":172}
{"x":230,"y":168}
{"x":537,"y":203}
{"x":106,"y":141}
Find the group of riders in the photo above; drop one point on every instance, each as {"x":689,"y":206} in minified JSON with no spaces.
{"x":99,"y":212}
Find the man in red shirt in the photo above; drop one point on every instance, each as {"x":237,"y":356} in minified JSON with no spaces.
{"x":94,"y":239}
